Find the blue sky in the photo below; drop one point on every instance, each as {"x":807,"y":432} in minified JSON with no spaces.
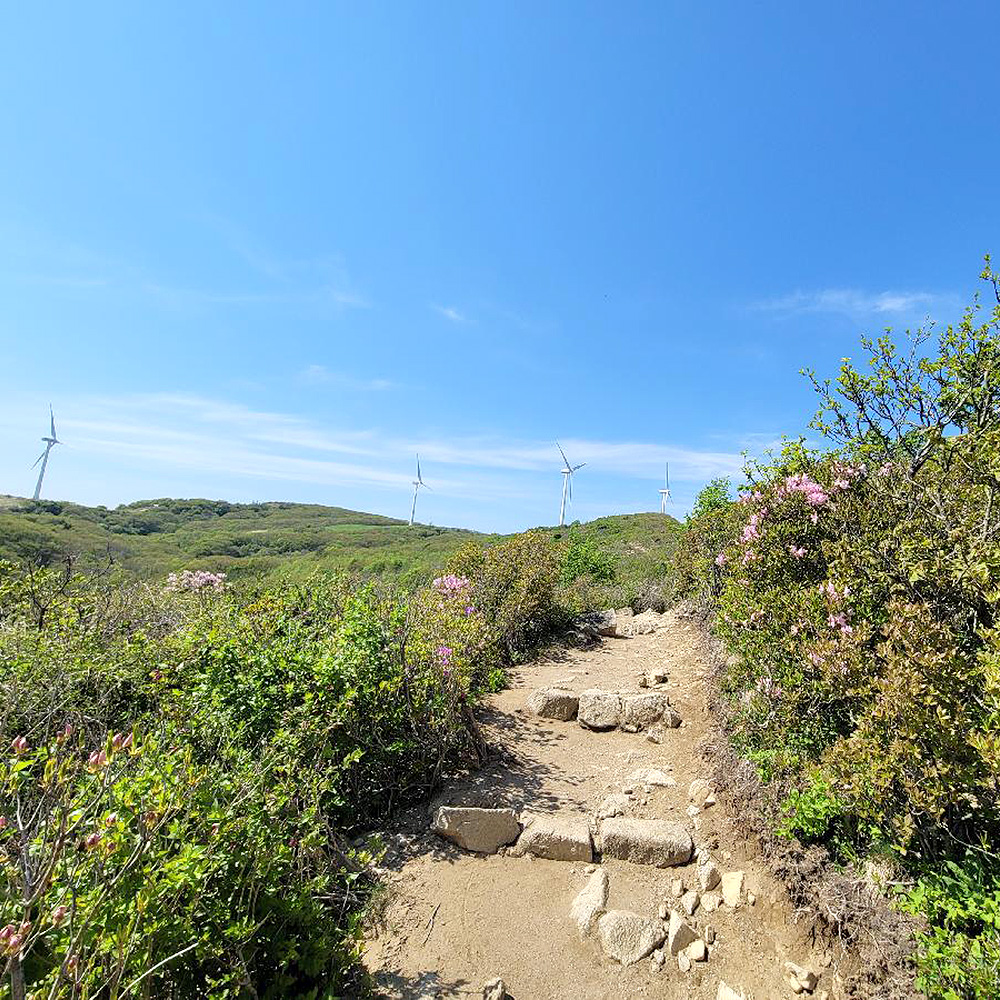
{"x":262,"y":251}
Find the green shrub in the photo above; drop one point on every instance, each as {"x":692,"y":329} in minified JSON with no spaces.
{"x":584,"y":558}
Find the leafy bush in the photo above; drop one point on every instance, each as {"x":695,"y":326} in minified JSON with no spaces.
{"x":182,"y":767}
{"x":856,"y":588}
{"x":584,"y":558}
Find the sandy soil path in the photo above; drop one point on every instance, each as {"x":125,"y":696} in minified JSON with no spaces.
{"x":455,"y":920}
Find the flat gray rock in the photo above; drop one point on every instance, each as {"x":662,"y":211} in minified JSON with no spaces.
{"x":554,"y":703}
{"x":481,"y":830}
{"x":656,"y":842}
{"x":628,"y":937}
{"x":558,"y":838}
{"x":599,"y":709}
{"x":640,"y":711}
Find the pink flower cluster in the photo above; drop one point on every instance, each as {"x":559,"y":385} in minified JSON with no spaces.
{"x":721,"y":559}
{"x":12,"y":937}
{"x":196,"y":580}
{"x":814,"y":494}
{"x":451,"y":585}
{"x":838,"y":617}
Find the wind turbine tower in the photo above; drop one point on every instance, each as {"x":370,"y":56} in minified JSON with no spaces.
{"x":665,"y":492}
{"x":417,"y":483}
{"x":50,"y":442}
{"x":567,"y":489}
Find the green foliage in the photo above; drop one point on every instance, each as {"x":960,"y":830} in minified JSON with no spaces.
{"x":808,"y":813}
{"x":285,"y":540}
{"x":183,"y":770}
{"x":584,"y":558}
{"x":856,"y":589}
{"x":959,"y":955}
{"x":716,"y":496}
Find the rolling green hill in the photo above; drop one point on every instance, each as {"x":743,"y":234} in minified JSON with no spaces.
{"x":155,"y":537}
{"x":151,"y":538}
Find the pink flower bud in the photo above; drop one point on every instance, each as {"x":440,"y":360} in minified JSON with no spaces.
{"x":5,"y":933}
{"x":112,"y":819}
{"x":98,"y":760}
{"x":14,"y":943}
{"x":19,"y":744}
{"x":3,"y":822}
{"x":92,"y":841}
{"x":59,"y":914}
{"x":117,"y":741}
{"x":71,"y":963}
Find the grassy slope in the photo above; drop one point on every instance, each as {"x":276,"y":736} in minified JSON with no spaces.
{"x":155,"y":537}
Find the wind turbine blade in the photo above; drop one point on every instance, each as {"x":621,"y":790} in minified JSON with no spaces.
{"x":561,"y":452}
{"x":37,"y":460}
{"x":580,"y":466}
{"x":666,"y":475}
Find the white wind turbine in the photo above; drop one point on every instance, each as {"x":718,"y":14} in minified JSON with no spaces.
{"x":417,"y":483}
{"x":567,"y":490}
{"x":50,"y":442}
{"x":665,"y":492}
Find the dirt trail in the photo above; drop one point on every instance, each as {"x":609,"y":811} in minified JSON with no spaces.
{"x":455,"y":920}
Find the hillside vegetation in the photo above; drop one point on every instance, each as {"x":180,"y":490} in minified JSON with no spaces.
{"x":856,"y":589}
{"x":153,"y":537}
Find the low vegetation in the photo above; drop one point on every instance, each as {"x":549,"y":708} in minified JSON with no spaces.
{"x":185,"y":764}
{"x":855,"y":587}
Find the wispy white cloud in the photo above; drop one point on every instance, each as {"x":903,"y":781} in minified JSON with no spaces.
{"x":855,"y":302}
{"x":321,"y":375}
{"x":451,"y":313}
{"x":182,"y":438}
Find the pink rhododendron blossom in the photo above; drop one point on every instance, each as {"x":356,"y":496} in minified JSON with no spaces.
{"x":19,"y":744}
{"x":98,"y":760}
{"x":196,"y":580}
{"x":451,"y":585}
{"x":813,"y":493}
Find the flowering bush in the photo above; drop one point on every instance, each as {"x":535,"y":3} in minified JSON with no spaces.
{"x":857,"y":591}
{"x":195,"y":581}
{"x":180,"y":780}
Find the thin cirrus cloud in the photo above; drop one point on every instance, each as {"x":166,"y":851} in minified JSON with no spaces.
{"x":321,"y":375}
{"x":451,"y":313}
{"x":855,"y":302}
{"x":180,"y":439}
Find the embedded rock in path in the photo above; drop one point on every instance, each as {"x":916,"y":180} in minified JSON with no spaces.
{"x":641,"y":624}
{"x":599,"y":623}
{"x":599,"y":709}
{"x":640,"y":711}
{"x":628,"y":937}
{"x":690,"y":901}
{"x":801,"y":980}
{"x":679,"y":934}
{"x":711,"y":901}
{"x":496,"y":989}
{"x":699,"y":791}
{"x":558,"y":838}
{"x":554,"y":703}
{"x":613,"y":805}
{"x":647,"y":841}
{"x":651,"y":776}
{"x":481,"y":830}
{"x":590,"y":902}
{"x":709,"y":875}
{"x":728,"y":993}
{"x":732,"y":888}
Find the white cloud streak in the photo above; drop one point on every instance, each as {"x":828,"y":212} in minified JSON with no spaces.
{"x":451,"y":313}
{"x":854,"y":302}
